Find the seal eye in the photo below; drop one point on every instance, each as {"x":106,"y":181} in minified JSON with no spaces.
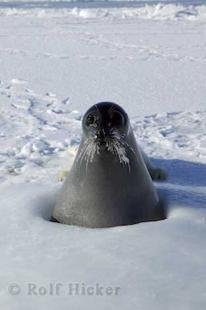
{"x":117,"y":119}
{"x":91,"y":120}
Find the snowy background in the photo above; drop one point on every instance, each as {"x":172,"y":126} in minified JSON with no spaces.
{"x":56,"y":60}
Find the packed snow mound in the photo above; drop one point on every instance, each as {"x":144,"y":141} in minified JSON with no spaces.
{"x":158,"y":11}
{"x":153,"y":264}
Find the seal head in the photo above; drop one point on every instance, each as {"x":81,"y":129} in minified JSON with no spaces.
{"x":103,"y":120}
{"x":105,"y":129}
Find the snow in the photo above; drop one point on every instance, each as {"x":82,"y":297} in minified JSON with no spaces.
{"x":56,"y":60}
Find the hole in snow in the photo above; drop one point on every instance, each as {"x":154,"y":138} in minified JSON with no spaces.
{"x":46,"y":203}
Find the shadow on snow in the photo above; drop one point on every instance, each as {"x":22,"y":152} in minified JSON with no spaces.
{"x":186,"y":183}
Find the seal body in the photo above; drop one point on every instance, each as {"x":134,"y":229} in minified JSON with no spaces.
{"x":109,"y":183}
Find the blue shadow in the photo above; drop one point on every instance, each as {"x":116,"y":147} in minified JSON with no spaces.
{"x":186,"y":183}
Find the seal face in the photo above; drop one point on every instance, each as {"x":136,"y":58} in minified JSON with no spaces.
{"x":109,"y":183}
{"x":105,"y":127}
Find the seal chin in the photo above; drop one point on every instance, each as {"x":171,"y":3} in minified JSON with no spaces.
{"x":105,"y":143}
{"x":102,"y":144}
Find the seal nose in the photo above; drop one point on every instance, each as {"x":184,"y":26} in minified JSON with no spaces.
{"x":101,"y":134}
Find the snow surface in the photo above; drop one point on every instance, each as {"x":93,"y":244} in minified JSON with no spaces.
{"x":56,"y":60}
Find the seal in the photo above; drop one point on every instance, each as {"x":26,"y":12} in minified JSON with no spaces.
{"x":110,"y":182}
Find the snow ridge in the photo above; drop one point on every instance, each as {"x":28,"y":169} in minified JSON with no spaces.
{"x":160,"y":11}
